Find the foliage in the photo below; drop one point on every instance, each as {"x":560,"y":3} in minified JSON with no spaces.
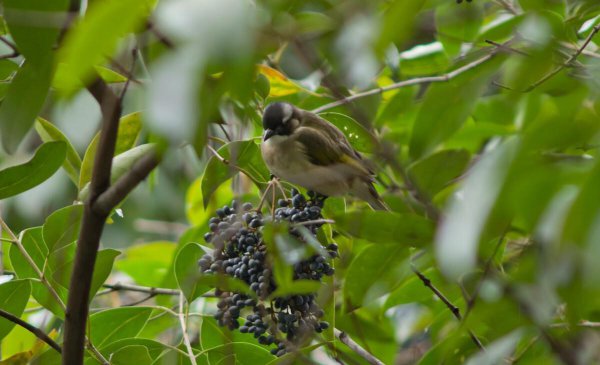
{"x":481,"y":120}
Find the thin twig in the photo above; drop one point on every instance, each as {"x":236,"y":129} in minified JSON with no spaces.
{"x":158,"y":34}
{"x":9,"y":55}
{"x":10,"y":44}
{"x":264,"y":195}
{"x":585,"y":52}
{"x":416,"y":81}
{"x":348,"y":341}
{"x":221,"y":125}
{"x":563,"y":349}
{"x":36,"y":331}
{"x":130,"y":74}
{"x":454,"y":309}
{"x":217,"y":155}
{"x":414,"y":190}
{"x":488,"y":265}
{"x":159,"y":227}
{"x":517,"y":358}
{"x":122,"y":187}
{"x":141,"y":289}
{"x":217,"y":139}
{"x":124,"y":71}
{"x":509,"y":6}
{"x":32,"y":264}
{"x":507,"y":48}
{"x":568,"y":62}
{"x":140,"y":301}
{"x":186,"y":338}
{"x":316,"y":221}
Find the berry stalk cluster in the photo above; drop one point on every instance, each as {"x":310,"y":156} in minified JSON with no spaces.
{"x":240,"y":252}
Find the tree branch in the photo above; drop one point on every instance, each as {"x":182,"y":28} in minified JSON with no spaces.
{"x":91,"y":227}
{"x":36,"y":331}
{"x":454,"y":309}
{"x":416,"y":81}
{"x":346,"y":340}
{"x":141,"y":289}
{"x":568,"y":62}
{"x":119,"y":190}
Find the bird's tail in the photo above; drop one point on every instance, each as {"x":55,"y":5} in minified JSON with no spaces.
{"x":366,"y":191}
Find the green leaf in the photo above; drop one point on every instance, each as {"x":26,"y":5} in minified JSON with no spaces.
{"x":121,"y":164}
{"x":130,"y":127}
{"x":7,"y":69}
{"x":582,"y":219}
{"x":360,"y":138}
{"x":187,"y":271}
{"x":246,"y":353}
{"x":62,"y":265}
{"x":13,"y":299}
{"x":147,"y":263}
{"x":154,"y":348}
{"x":95,"y":37}
{"x":129,"y":131}
{"x":35,"y":25}
{"x":47,"y":159}
{"x":398,"y":22}
{"x":115,"y":324}
{"x":297,"y":287}
{"x":133,"y":354}
{"x":375,"y":271}
{"x":435,"y":172}
{"x":240,"y":156}
{"x":386,"y":227}
{"x":87,"y":165}
{"x":49,"y":133}
{"x":32,"y":241}
{"x":447,"y":106}
{"x":424,"y":59}
{"x":457,"y":25}
{"x":62,"y":227}
{"x":26,"y":95}
{"x":412,"y":291}
{"x":457,"y":238}
{"x":497,"y":351}
{"x":67,"y":82}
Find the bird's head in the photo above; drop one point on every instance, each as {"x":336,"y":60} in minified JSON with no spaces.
{"x":279,"y":119}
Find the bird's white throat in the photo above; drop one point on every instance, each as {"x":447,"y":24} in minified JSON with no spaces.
{"x":277,"y":140}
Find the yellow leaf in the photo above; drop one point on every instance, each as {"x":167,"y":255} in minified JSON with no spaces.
{"x":280,"y":84}
{"x":22,"y":358}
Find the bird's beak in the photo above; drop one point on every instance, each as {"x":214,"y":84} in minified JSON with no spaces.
{"x":268,"y":134}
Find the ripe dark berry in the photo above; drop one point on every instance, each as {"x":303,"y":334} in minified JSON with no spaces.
{"x":240,"y":252}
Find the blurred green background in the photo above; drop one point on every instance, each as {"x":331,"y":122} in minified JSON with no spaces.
{"x":488,"y":158}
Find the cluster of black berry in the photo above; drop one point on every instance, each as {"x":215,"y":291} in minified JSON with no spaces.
{"x":240,"y":252}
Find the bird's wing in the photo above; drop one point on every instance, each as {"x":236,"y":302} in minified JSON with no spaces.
{"x":323,"y":150}
{"x":341,"y":142}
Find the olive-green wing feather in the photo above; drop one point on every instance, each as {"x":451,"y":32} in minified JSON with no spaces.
{"x":332,"y":133}
{"x":323,"y":150}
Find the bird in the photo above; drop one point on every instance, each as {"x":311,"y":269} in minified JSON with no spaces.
{"x":304,"y":149}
